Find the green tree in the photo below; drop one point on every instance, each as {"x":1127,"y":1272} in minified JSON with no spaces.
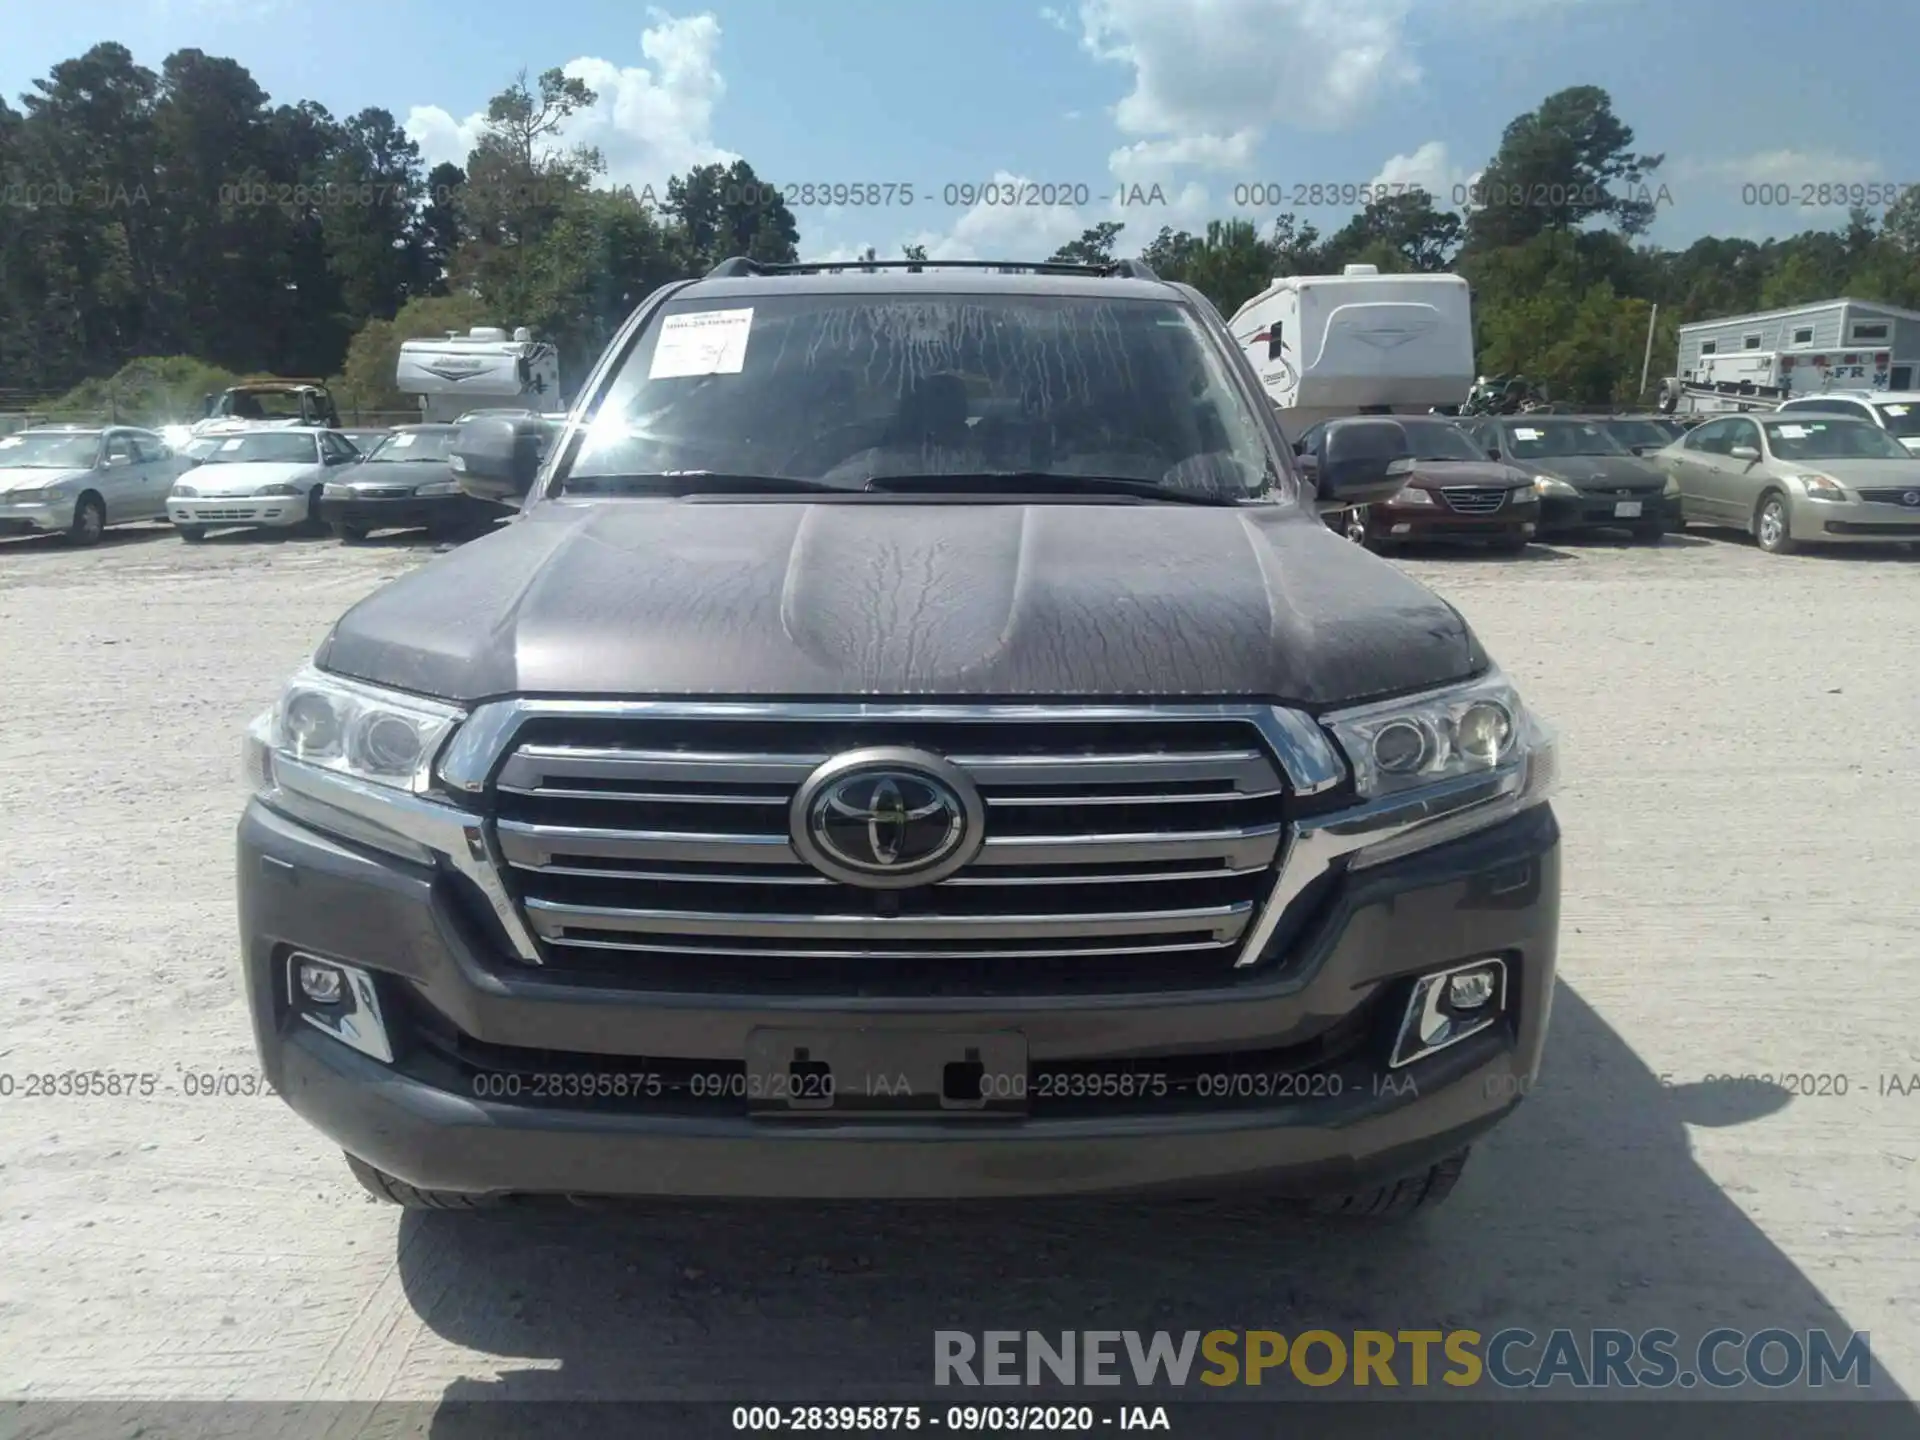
{"x":913,"y":252}
{"x":1094,"y":247}
{"x":1569,"y":162}
{"x":1404,"y":231}
{"x":723,"y":211}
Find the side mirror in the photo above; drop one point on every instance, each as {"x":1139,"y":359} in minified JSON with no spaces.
{"x":1745,"y":452}
{"x":1640,"y":449}
{"x":498,"y":459}
{"x":1361,"y":462}
{"x":1493,"y":452}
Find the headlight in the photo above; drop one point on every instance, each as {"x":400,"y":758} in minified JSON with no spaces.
{"x":438,"y":487}
{"x":29,"y":497}
{"x":1408,"y":495}
{"x":276,"y":490}
{"x":1821,"y":487}
{"x":185,"y":492}
{"x":1547,"y":485}
{"x":1671,"y":490}
{"x":1404,"y":744}
{"x":360,"y":730}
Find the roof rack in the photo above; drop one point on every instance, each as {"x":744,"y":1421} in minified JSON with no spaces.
{"x":740,"y":265}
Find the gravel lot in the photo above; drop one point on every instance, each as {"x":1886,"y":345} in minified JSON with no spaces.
{"x":1741,"y":897}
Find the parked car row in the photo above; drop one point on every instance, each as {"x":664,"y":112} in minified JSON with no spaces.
{"x":1797,"y":475}
{"x":77,"y":481}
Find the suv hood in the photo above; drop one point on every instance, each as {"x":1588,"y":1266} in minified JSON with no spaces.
{"x":1597,"y":472}
{"x":1069,"y":601}
{"x":1446,"y":474}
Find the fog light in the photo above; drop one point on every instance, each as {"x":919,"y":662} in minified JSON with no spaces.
{"x":1449,"y":1006}
{"x":323,"y":984}
{"x":340,"y":1000}
{"x":1471,"y":989}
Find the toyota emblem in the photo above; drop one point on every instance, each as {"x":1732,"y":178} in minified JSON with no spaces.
{"x":888,"y":818}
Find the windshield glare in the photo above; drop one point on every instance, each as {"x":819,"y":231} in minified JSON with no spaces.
{"x":1546,"y":439}
{"x":1832,"y":440}
{"x":839,"y":389}
{"x":270,"y":448}
{"x":1431,"y":441}
{"x":410,"y":445}
{"x":49,"y":451}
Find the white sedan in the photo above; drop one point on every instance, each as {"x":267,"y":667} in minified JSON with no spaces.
{"x":270,"y":478}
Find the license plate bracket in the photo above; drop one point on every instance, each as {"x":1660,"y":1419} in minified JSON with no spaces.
{"x":1627,"y":510}
{"x":885,"y":1074}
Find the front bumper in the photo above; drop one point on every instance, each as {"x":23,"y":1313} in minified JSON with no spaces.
{"x":51,"y":517}
{"x":1600,"y":510}
{"x":1519,"y":515}
{"x":405,"y":511}
{"x":215,"y":510}
{"x":1856,"y":522}
{"x":1322,"y":1007}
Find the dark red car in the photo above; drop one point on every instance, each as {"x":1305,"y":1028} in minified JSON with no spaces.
{"x":1454,"y":493}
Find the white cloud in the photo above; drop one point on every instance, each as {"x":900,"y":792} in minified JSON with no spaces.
{"x":650,"y":121}
{"x":1056,"y":19}
{"x":1214,"y":68}
{"x":1790,"y":177}
{"x":1431,"y":168}
{"x":1784,"y":167}
{"x":1146,"y":161}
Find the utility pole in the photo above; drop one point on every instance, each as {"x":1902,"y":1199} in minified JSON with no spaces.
{"x":1646,"y":362}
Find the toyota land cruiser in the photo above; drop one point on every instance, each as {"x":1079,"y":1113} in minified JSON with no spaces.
{"x":916,"y":739}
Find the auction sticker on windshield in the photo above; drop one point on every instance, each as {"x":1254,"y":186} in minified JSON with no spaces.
{"x":401,"y":442}
{"x":709,"y":342}
{"x":1525,"y":434}
{"x":1794,"y":432}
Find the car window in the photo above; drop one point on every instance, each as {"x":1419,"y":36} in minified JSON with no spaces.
{"x":1438,"y":440}
{"x":280,"y":447}
{"x":1715,"y":437}
{"x":1832,"y":437}
{"x":147,"y":448}
{"x":839,"y":388}
{"x":1902,"y":419}
{"x":1310,"y":439}
{"x":49,"y":450}
{"x":406,"y":446}
{"x":1639,"y":432}
{"x":119,"y":447}
{"x":1550,"y":439}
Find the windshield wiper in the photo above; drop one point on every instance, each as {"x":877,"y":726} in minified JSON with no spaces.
{"x":1044,"y":482}
{"x":695,"y":482}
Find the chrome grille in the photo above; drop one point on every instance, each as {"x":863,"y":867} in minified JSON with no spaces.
{"x":1891,"y":495}
{"x":1474,"y":499}
{"x":660,"y":847}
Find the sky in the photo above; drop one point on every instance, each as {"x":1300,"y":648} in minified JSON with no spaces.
{"x":1005,"y":127}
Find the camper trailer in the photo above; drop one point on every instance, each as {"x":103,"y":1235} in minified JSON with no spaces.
{"x":1359,"y":342}
{"x":479,"y":370}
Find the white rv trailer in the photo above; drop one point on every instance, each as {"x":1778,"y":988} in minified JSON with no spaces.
{"x":1359,"y":343}
{"x":481,"y":369}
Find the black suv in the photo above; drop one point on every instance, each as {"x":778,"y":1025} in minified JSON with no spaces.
{"x":917,"y":739}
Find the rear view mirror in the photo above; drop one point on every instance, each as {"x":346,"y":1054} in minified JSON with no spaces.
{"x":498,"y":458}
{"x":1493,"y":452}
{"x":1641,"y":449}
{"x":1360,"y":462}
{"x":1744,"y":452}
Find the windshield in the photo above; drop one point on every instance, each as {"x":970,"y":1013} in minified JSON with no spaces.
{"x":839,"y":389}
{"x":411,"y":445}
{"x":1902,"y":420}
{"x":1810,"y":439}
{"x":261,"y":404}
{"x":49,"y":451}
{"x":1430,"y":440}
{"x":1545,"y":439}
{"x":270,"y":447}
{"x":1639,"y":432}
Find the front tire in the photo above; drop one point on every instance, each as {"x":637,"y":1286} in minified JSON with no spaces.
{"x":1510,"y":544}
{"x":350,"y":534}
{"x":1397,"y":1198}
{"x":1353,"y":525}
{"x":383,"y":1186}
{"x":1772,"y":527}
{"x":1649,"y":533}
{"x":192,"y":534}
{"x":89,"y":520}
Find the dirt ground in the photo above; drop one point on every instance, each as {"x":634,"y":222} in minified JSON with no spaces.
{"x":1741,"y":897}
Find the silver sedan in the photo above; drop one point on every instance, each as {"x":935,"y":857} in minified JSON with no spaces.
{"x":1794,"y":479}
{"x":76,"y":480}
